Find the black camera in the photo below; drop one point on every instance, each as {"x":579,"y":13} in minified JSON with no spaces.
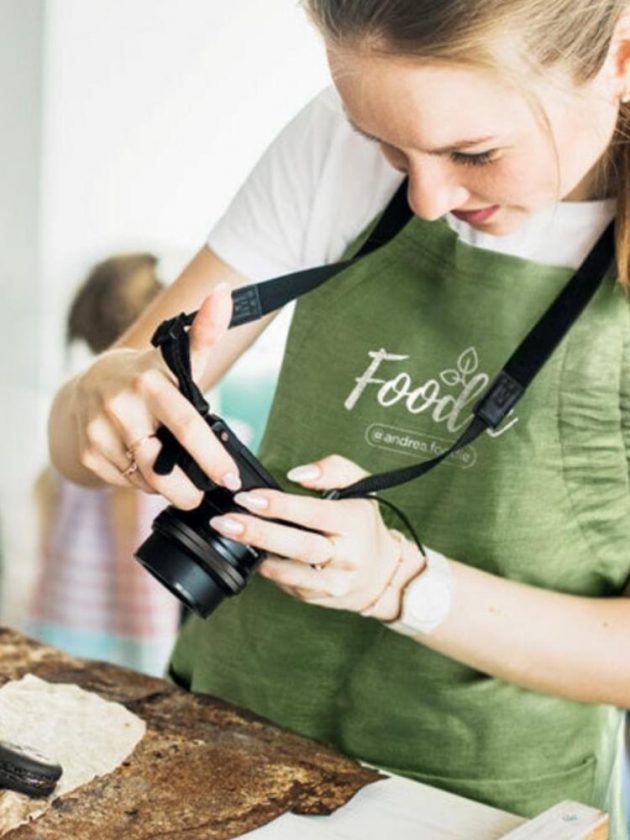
{"x":196,"y":563}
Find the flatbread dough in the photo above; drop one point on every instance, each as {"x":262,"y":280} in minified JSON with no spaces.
{"x":86,"y":735}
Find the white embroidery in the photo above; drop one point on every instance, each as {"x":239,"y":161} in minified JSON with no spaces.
{"x":415,"y":444}
{"x":429,"y":396}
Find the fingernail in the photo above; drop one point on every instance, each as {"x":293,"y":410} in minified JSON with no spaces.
{"x":225,"y":525}
{"x":308,"y":472}
{"x":232,"y":481}
{"x":251,"y":500}
{"x":221,"y":287}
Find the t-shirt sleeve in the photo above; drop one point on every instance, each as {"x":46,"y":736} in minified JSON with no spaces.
{"x":263,"y":231}
{"x":311,"y":193}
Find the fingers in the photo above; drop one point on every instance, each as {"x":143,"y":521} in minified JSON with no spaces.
{"x":176,"y":487}
{"x":171,"y":408}
{"x":130,"y":418}
{"x":126,"y":395}
{"x":105,"y":456}
{"x":311,"y":584}
{"x":137,"y":412}
{"x":306,"y":511}
{"x":331,"y":473}
{"x":305,"y":547}
{"x":210,"y":325}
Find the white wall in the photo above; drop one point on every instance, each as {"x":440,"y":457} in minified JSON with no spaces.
{"x":21,"y":36}
{"x":153,"y":112}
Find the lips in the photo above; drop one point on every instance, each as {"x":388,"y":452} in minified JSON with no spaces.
{"x":476,"y":217}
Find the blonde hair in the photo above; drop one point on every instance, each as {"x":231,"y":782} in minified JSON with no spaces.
{"x":574,"y":33}
{"x":110,"y":299}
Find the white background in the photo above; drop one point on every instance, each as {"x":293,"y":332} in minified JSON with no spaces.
{"x":129,"y":124}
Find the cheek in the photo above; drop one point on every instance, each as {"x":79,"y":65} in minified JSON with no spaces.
{"x":528,"y":180}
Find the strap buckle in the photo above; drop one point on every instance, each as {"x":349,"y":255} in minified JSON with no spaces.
{"x":170,"y":330}
{"x":500,"y":400}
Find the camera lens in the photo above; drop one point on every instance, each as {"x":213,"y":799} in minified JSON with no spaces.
{"x":196,"y":563}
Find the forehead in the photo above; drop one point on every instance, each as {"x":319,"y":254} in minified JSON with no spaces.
{"x":398,"y":99}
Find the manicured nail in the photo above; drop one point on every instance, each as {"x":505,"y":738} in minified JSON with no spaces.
{"x":251,"y":500}
{"x":308,"y":472}
{"x":232,"y":481}
{"x":225,"y":525}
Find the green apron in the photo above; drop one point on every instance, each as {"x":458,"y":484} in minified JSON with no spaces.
{"x":383,"y":365}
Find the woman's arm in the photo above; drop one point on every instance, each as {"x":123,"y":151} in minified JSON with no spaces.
{"x":186,"y":294}
{"x":128,"y":391}
{"x":566,"y":645}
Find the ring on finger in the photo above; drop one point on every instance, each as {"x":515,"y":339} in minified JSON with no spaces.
{"x":322,"y":564}
{"x":133,"y":447}
{"x":131,"y":469}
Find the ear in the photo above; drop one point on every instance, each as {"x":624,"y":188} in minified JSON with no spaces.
{"x":619,"y":57}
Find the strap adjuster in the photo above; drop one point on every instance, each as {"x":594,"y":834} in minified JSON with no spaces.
{"x":170,"y":330}
{"x":499,"y":401}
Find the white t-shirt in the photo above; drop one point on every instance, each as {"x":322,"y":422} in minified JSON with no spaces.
{"x":320,"y":183}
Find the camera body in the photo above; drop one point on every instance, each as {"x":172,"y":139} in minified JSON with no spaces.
{"x":196,"y":563}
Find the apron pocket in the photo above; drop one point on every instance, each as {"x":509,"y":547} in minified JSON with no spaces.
{"x":525,"y":797}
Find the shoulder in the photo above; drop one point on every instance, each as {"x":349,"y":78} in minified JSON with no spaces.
{"x":312,"y":192}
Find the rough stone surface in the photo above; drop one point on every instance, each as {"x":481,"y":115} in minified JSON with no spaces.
{"x":205,"y":770}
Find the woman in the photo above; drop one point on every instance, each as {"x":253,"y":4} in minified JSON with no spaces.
{"x":508,"y":117}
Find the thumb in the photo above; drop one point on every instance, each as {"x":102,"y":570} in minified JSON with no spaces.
{"x":333,"y":472}
{"x":210,"y":325}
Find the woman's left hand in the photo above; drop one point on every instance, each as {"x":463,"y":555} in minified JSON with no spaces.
{"x":346,"y":565}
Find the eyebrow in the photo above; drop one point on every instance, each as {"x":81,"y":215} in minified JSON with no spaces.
{"x":461,"y":144}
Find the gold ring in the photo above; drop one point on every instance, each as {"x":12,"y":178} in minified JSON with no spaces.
{"x":320,"y":566}
{"x":131,"y":451}
{"x":131,"y":469}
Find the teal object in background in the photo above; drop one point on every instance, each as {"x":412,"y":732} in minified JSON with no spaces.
{"x":245,"y":393}
{"x":245,"y":401}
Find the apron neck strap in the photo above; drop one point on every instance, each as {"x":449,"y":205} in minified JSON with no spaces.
{"x":254,"y":301}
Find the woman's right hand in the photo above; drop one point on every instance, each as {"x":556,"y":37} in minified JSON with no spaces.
{"x":119,"y":402}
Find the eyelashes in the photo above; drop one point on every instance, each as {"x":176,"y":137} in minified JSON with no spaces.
{"x":465,"y":159}
{"x":481,"y":159}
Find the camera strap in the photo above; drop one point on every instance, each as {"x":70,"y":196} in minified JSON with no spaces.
{"x":512,"y":381}
{"x":255,"y":301}
{"x":249,"y":304}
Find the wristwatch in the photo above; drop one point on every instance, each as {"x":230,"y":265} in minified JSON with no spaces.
{"x":426,"y":601}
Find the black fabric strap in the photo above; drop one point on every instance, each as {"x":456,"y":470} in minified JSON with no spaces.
{"x":255,"y":301}
{"x":172,"y":339}
{"x":258,"y":299}
{"x":251,"y":303}
{"x":521,"y":368}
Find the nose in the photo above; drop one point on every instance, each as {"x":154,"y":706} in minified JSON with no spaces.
{"x":433,"y":191}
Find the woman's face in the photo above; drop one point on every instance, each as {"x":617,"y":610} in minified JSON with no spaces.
{"x":470,"y":142}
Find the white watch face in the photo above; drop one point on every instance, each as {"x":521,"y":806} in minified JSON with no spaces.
{"x":427,"y":599}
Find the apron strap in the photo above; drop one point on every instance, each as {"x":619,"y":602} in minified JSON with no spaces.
{"x":511,"y":383}
{"x":253,"y":301}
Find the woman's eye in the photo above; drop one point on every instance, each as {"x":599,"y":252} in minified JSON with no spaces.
{"x":480,"y":159}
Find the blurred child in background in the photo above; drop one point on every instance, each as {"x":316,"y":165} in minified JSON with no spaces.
{"x":91,"y":598}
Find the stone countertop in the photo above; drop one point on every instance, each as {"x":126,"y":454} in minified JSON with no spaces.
{"x":205,"y":770}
